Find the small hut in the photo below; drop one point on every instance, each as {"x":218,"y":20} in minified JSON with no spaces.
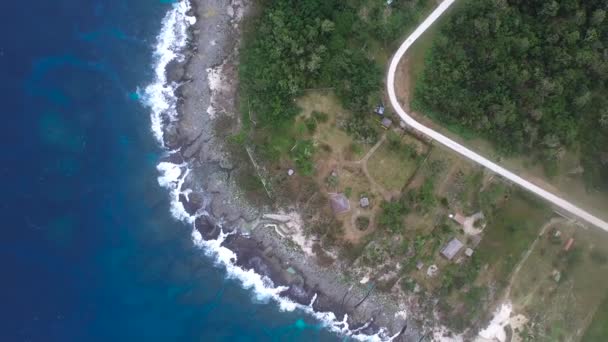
{"x":458,"y":218}
{"x":364,"y":202}
{"x":339,"y":203}
{"x":386,"y":123}
{"x":379,"y":110}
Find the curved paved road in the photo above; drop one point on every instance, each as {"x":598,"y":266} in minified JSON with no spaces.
{"x":558,"y":201}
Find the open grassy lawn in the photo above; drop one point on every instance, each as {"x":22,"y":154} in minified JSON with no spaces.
{"x":509,"y":234}
{"x":329,"y":133}
{"x":561,"y":308}
{"x":392,"y":168}
{"x":598,"y":330}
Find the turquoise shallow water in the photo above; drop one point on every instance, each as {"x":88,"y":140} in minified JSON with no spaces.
{"x":89,"y":250}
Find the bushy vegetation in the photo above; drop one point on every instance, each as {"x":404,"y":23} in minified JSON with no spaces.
{"x":392,"y":215}
{"x":529,"y":75}
{"x":362,"y":222}
{"x":302,"y":155}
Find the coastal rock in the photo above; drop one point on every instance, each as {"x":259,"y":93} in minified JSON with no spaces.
{"x":324,"y":303}
{"x":217,"y":182}
{"x":174,"y":71}
{"x":207,"y":228}
{"x":250,"y":256}
{"x":173,"y":158}
{"x":223,"y":207}
{"x":299,"y":294}
{"x":191,"y":150}
{"x":193,"y":202}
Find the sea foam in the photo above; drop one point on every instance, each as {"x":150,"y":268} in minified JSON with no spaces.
{"x":171,"y":41}
{"x":160,"y":97}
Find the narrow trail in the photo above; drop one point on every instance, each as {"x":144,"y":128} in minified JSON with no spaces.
{"x":462,"y":150}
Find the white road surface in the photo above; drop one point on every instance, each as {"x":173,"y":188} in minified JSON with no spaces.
{"x":558,"y":201}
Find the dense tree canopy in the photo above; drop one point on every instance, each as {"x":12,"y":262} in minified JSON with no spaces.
{"x":530,"y":75}
{"x":300,"y":44}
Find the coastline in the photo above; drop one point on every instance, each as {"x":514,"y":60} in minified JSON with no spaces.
{"x":199,"y":84}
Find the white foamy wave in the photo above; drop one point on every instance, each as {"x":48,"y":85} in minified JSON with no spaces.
{"x":172,"y":177}
{"x":172,"y":39}
{"x":264,"y":289}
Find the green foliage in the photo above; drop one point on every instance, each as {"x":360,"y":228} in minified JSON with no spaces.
{"x":302,"y":156}
{"x":423,"y":199}
{"x":598,"y":329}
{"x":332,"y":180}
{"x":394,"y":140}
{"x":362,"y":222}
{"x":311,"y":124}
{"x":362,"y":129}
{"x":598,"y":257}
{"x":409,"y":151}
{"x":320,"y":116}
{"x":529,"y":75}
{"x":348,"y":192}
{"x":298,"y":45}
{"x":356,"y":149}
{"x":392,"y":215}
{"x":238,"y":139}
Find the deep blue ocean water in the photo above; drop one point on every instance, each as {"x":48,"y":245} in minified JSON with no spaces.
{"x":89,"y":251}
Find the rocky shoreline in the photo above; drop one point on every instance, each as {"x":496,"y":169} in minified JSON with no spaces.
{"x":207,"y":115}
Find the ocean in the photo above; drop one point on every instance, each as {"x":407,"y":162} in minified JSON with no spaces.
{"x":91,"y":250}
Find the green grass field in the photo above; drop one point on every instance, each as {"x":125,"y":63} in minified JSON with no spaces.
{"x":598,"y":330}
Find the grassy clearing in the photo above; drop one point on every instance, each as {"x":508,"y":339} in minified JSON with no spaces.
{"x":561,"y":308}
{"x":509,"y":233}
{"x":330,"y":133}
{"x":598,"y":330}
{"x":392,"y":168}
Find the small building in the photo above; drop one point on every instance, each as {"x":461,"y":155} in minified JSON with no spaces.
{"x":568,"y":244}
{"x":339,"y":203}
{"x":364,"y":202}
{"x":419,"y":265}
{"x":386,"y":122}
{"x":432,"y":271}
{"x":379,"y":110}
{"x":450,"y":250}
{"x":458,"y":218}
{"x":468,"y":252}
{"x":556,"y":275}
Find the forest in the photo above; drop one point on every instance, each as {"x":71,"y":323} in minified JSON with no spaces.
{"x":295,"y":45}
{"x":529,"y":75}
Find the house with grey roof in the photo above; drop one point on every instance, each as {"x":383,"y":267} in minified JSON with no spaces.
{"x":452,"y":248}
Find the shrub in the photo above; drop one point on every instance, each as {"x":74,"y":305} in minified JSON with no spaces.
{"x":320,"y":116}
{"x":392,"y":215}
{"x":311,"y":124}
{"x":362,"y":222}
{"x":348,"y":191}
{"x":302,"y":156}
